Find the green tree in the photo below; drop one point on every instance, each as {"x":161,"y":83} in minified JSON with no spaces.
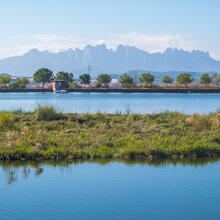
{"x":67,"y":77}
{"x":218,"y":79}
{"x":146,"y":78}
{"x":74,"y":85}
{"x":4,"y":80}
{"x":167,"y":80}
{"x":126,"y":81}
{"x":104,"y":79}
{"x":19,"y":84}
{"x":85,"y":79}
{"x":184,"y":78}
{"x":22,"y":82}
{"x":43,"y":76}
{"x":214,"y":78}
{"x":205,"y":79}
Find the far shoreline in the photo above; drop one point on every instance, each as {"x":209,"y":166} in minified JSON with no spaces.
{"x":121,"y":90}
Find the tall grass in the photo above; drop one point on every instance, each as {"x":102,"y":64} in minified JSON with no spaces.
{"x":6,"y":120}
{"x":47,"y":113}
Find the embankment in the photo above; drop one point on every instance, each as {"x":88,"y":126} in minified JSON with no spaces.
{"x":136,"y":90}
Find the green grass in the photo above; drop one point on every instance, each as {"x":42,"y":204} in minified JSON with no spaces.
{"x":6,"y":121}
{"x":46,"y":134}
{"x":47,"y":113}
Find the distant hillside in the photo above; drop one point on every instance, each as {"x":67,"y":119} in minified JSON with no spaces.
{"x":101,"y":59}
{"x":3,"y":74}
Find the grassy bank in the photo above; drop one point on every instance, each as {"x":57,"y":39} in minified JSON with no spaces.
{"x":47,"y":135}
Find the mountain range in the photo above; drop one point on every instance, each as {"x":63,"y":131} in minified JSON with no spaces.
{"x":104,"y":60}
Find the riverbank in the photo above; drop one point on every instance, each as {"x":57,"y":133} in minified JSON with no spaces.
{"x":121,"y":90}
{"x":48,"y":135}
{"x":26,"y":90}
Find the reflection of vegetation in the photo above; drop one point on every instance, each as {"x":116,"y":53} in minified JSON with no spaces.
{"x":12,"y":169}
{"x":38,"y":171}
{"x":12,"y":176}
{"x":36,"y":136}
{"x":26,"y":172}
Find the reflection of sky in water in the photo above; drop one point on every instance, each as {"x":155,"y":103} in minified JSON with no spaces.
{"x":111,"y":191}
{"x":112,"y":102}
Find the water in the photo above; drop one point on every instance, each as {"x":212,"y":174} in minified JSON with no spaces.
{"x":111,"y":191}
{"x":112,"y":102}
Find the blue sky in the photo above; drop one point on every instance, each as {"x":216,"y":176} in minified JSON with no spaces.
{"x":151,"y":25}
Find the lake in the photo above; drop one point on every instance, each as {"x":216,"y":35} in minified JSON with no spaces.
{"x":113,"y":190}
{"x":113,"y":102}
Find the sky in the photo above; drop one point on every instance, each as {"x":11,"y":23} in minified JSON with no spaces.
{"x":151,"y":25}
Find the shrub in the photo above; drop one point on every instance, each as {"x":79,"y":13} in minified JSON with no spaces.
{"x":13,"y":85}
{"x":74,"y":85}
{"x":6,"y":121}
{"x":201,"y":122}
{"x":151,"y":85}
{"x":19,"y":84}
{"x":47,"y":113}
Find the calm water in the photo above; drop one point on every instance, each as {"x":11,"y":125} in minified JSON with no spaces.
{"x":111,"y":191}
{"x":111,"y":102}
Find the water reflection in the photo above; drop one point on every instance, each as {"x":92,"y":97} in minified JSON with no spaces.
{"x":105,"y":189}
{"x":26,"y":168}
{"x":11,"y":170}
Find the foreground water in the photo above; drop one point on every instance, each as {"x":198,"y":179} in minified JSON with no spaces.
{"x":112,"y":191}
{"x":112,"y":102}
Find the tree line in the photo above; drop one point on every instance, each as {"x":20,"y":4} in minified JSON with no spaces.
{"x":45,"y":75}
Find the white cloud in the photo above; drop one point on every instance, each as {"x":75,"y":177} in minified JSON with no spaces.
{"x":56,"y":43}
{"x":150,"y":43}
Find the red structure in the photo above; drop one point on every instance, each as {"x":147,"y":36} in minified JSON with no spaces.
{"x":58,"y":85}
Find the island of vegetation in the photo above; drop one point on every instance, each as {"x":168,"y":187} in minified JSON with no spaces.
{"x":43,"y":77}
{"x":46,"y":134}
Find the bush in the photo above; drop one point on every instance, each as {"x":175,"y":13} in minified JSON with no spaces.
{"x":13,"y":85}
{"x":201,"y":122}
{"x":47,"y":113}
{"x":74,"y":85}
{"x":151,"y":85}
{"x":6,"y":121}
